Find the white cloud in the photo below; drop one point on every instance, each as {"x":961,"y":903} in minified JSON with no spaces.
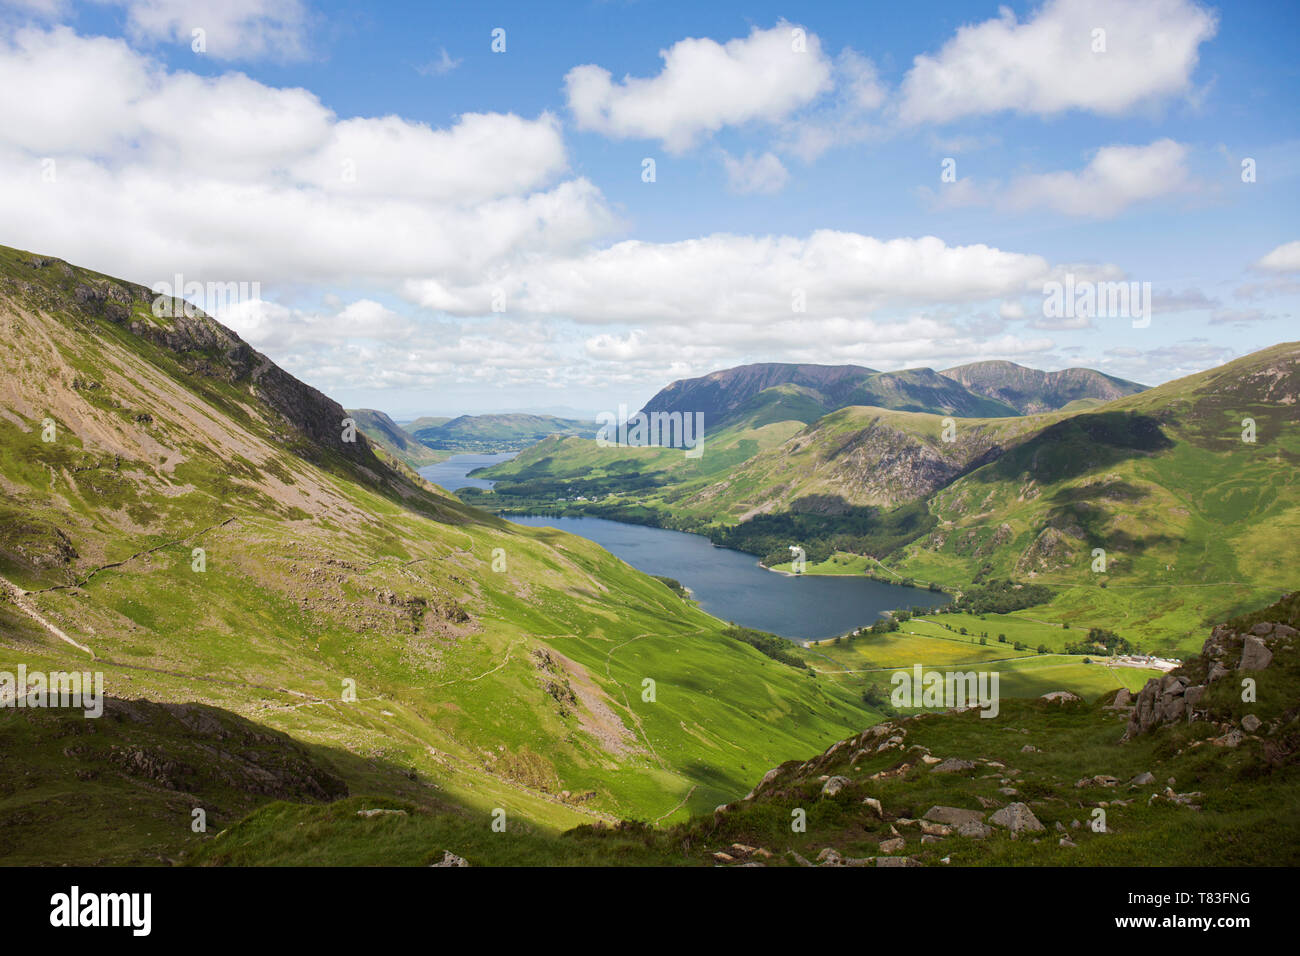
{"x":1047,"y":64}
{"x":704,"y":86}
{"x":443,"y":65}
{"x":1285,"y":258}
{"x":1114,"y":179}
{"x":234,"y":29}
{"x":755,"y":174}
{"x":287,"y":192}
{"x":746,"y":279}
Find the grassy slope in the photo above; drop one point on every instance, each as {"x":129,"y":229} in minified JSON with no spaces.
{"x":1196,"y":526}
{"x":320,"y":570}
{"x":1040,"y":750}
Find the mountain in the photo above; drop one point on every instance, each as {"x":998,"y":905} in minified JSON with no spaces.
{"x":283,"y":614}
{"x":1029,"y":391}
{"x":720,"y":394}
{"x":979,"y":390}
{"x":496,"y":433}
{"x":392,"y":438}
{"x":924,"y":390}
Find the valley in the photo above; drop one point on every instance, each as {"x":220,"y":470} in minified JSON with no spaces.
{"x":294,"y":627}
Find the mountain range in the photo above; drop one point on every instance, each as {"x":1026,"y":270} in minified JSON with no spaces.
{"x":978,"y":390}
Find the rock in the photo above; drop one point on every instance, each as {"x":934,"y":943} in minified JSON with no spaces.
{"x":896,"y":861}
{"x":1061,"y":697}
{"x":1173,"y":708}
{"x":721,"y":857}
{"x":1060,"y":827}
{"x":829,"y":855}
{"x":1017,"y":818}
{"x":892,"y":846}
{"x":1262,"y":628}
{"x":1255,"y":656}
{"x":1100,"y":780}
{"x":741,"y":850}
{"x":1123,"y":699}
{"x":931,"y":838}
{"x":975,"y":830}
{"x":1218,"y":671}
{"x":1029,"y":749}
{"x":1250,"y":723}
{"x":834,"y":785}
{"x":763,"y":852}
{"x":874,"y":805}
{"x":1008,"y":791}
{"x":935,"y":829}
{"x":1193,"y":697}
{"x":1231,"y":739}
{"x":1066,"y":841}
{"x":953,"y":765}
{"x":801,"y":860}
{"x":930,"y":759}
{"x":767,"y":778}
{"x":451,"y":859}
{"x":371,"y":814}
{"x":1143,"y":779}
{"x":1075,"y":825}
{"x":953,"y":816}
{"x":986,"y":803}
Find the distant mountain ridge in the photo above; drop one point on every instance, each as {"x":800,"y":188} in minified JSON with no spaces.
{"x":496,"y":432}
{"x":392,"y":438}
{"x":1031,"y":391}
{"x":978,"y":390}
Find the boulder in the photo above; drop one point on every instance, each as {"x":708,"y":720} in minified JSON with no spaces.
{"x":975,"y":830}
{"x":1250,"y":723}
{"x":834,"y":785}
{"x":953,"y":765}
{"x":1143,"y":779}
{"x":892,"y":846}
{"x":874,"y":805}
{"x":451,"y":859}
{"x":1061,"y":697}
{"x":1255,"y":656}
{"x":1017,"y":818}
{"x":953,"y":816}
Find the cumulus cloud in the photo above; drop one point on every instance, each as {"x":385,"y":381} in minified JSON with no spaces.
{"x":1052,"y":62}
{"x":755,"y":174}
{"x":746,"y":279}
{"x":279,"y":190}
{"x":703,"y":86}
{"x":233,"y":29}
{"x":1115,"y":178}
{"x":1285,"y":258}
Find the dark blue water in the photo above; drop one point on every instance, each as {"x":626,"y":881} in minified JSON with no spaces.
{"x":451,"y":474}
{"x":731,"y":585}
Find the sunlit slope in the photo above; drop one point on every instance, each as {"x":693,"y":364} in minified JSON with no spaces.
{"x":1194,"y":522}
{"x":505,"y":664}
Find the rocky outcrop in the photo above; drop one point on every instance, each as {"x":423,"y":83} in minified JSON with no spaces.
{"x":1180,"y":694}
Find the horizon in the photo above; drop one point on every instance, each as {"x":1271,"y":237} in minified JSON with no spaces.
{"x":478,"y":221}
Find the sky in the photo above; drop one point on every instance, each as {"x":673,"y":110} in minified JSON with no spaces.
{"x":447,"y":208}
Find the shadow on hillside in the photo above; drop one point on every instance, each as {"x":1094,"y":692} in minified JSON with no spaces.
{"x":1077,"y":445}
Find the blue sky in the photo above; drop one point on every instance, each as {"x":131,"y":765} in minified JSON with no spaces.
{"x":497,"y":246}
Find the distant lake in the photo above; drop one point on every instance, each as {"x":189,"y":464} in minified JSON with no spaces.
{"x":451,"y":474}
{"x":732,"y":586}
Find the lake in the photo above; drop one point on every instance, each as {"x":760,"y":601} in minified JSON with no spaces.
{"x":731,"y":585}
{"x":451,"y":474}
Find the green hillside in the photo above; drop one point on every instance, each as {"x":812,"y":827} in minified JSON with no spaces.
{"x":497,"y":665}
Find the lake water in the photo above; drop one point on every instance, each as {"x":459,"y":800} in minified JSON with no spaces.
{"x":451,"y":474}
{"x":731,"y":585}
